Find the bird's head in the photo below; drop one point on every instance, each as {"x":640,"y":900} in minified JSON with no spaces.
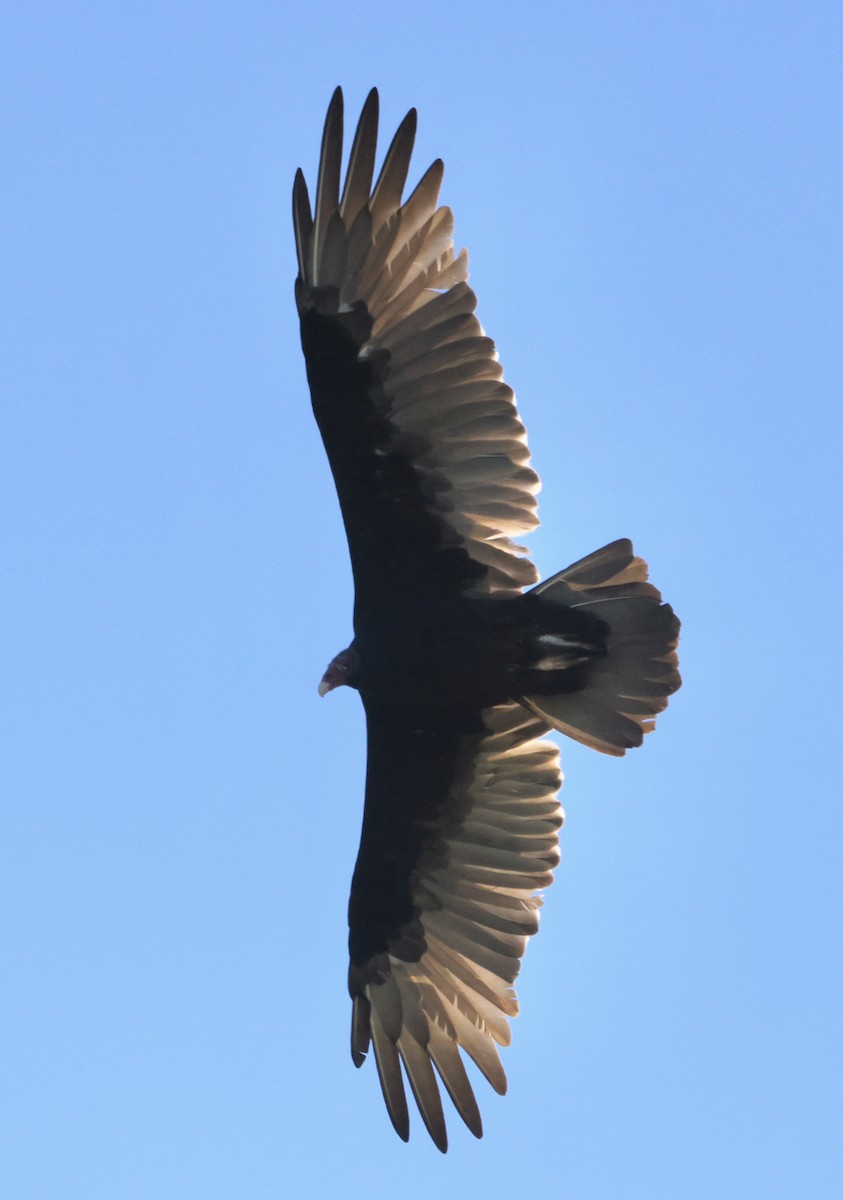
{"x":340,"y":670}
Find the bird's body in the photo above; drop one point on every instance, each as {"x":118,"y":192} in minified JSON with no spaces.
{"x":472,"y":652}
{"x":461,"y":671}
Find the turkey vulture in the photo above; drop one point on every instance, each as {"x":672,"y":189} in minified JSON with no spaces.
{"x":461,"y":671}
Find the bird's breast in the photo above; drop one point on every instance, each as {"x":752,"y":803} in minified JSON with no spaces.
{"x":439,"y":654}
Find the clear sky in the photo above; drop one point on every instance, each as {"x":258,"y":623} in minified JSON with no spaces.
{"x":650,"y":194}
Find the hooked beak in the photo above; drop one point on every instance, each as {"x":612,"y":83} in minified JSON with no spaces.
{"x":325,"y":686}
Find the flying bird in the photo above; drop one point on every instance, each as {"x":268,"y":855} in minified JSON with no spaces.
{"x":463,"y":660}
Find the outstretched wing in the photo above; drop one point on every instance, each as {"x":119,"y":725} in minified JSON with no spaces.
{"x":428,"y":454}
{"x":459,"y":832}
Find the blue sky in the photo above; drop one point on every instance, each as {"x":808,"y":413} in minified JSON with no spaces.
{"x":650,"y":194}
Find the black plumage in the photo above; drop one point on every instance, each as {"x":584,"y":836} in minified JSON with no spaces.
{"x":461,"y":671}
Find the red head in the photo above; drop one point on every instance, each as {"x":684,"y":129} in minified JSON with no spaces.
{"x":339,"y":670}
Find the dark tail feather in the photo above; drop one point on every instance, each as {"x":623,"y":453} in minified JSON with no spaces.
{"x":629,"y":686}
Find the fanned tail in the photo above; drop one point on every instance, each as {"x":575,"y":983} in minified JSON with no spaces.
{"x":628,"y":686}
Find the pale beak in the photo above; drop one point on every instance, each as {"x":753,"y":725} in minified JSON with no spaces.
{"x":324,"y":686}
